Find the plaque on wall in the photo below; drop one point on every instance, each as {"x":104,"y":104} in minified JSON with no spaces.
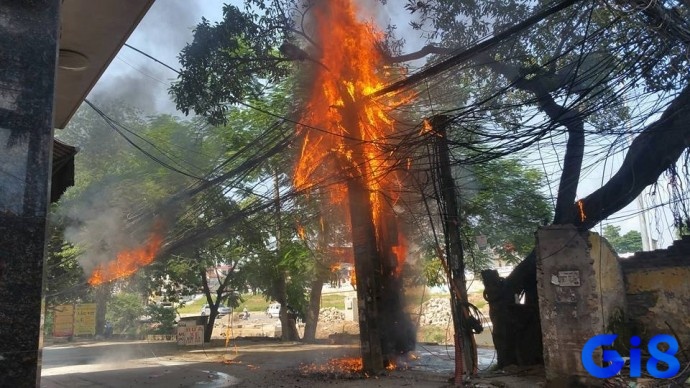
{"x":569,"y":278}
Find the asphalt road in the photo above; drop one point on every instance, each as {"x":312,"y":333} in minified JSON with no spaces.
{"x":131,"y":364}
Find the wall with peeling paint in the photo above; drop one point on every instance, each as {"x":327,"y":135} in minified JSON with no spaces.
{"x":580,"y":287}
{"x":657,"y":287}
{"x":585,"y":289}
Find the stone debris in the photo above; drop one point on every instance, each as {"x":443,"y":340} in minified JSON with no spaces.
{"x":436,"y":312}
{"x":331,"y":314}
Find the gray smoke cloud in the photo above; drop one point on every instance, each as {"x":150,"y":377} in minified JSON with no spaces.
{"x":100,"y":219}
{"x":99,"y":227}
{"x":162,"y":33}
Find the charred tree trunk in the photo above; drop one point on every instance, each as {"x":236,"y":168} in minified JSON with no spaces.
{"x":400,"y":334}
{"x":367,"y":269}
{"x":366,"y":255}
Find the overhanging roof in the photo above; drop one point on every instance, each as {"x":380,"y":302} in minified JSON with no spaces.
{"x":96,"y":29}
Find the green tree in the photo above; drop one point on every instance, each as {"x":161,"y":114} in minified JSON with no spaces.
{"x":627,"y":243}
{"x":502,"y":200}
{"x":215,"y":267}
{"x":506,"y":205}
{"x":124,"y":312}
{"x":127,"y":165}
{"x":227,"y":62}
{"x":65,"y":282}
{"x":162,"y":318}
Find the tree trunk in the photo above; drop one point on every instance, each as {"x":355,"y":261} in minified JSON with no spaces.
{"x":312,"y":320}
{"x":102,"y":298}
{"x":208,"y":330}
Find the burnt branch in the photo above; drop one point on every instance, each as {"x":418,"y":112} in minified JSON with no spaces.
{"x":426,"y":50}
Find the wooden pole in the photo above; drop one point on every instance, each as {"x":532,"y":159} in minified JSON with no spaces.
{"x":465,"y":350}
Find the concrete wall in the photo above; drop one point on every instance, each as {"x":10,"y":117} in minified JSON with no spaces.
{"x":657,"y":287}
{"x":584,"y":287}
{"x":580,"y":288}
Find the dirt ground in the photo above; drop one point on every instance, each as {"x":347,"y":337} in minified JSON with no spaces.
{"x":266,"y":362}
{"x":257,"y":360}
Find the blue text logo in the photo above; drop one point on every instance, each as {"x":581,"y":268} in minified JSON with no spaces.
{"x":615,"y":361}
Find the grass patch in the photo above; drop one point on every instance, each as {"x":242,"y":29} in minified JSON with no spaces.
{"x":193,"y":307}
{"x":333,"y":300}
{"x":253,"y":302}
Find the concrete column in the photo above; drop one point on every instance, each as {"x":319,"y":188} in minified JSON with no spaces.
{"x":28,"y":58}
{"x":580,"y":286}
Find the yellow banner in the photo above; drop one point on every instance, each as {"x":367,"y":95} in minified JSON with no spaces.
{"x":63,"y":321}
{"x":85,"y":319}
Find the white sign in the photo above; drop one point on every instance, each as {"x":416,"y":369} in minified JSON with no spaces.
{"x":569,"y":278}
{"x":190,"y":335}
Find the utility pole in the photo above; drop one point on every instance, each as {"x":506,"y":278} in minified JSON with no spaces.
{"x":28,"y":60}
{"x":364,"y":244}
{"x":465,"y":348}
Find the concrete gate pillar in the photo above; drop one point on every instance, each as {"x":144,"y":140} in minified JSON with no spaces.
{"x":580,"y":286}
{"x":28,"y":59}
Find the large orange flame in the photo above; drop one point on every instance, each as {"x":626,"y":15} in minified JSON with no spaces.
{"x":128,"y":262}
{"x":353,"y":66}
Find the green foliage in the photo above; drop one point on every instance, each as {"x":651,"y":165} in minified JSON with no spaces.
{"x":124,"y":311}
{"x":627,"y":243}
{"x":501,"y":200}
{"x":64,"y":279}
{"x":226,"y":63}
{"x":162,"y":319}
{"x":427,"y":270}
{"x":504,"y":202}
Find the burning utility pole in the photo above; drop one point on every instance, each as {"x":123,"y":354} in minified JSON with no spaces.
{"x":346,"y":150}
{"x":366,"y":255}
{"x":465,"y":348}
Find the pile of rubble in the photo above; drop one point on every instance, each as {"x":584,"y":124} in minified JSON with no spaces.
{"x":331,"y":314}
{"x":436,"y":312}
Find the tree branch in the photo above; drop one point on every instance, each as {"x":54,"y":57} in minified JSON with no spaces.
{"x":465,"y":55}
{"x":567,"y":117}
{"x":656,"y":149}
